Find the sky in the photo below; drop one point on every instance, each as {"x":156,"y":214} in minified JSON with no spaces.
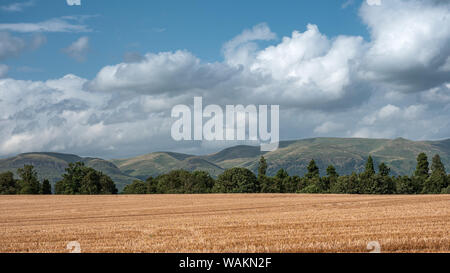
{"x":99,"y":78}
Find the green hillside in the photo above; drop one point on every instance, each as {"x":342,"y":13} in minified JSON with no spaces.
{"x":162,"y":162}
{"x":346,"y":154}
{"x":52,"y":165}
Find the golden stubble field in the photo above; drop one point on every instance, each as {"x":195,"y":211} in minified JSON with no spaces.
{"x":225,"y":223}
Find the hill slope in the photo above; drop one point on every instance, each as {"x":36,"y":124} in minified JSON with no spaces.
{"x":346,"y":154}
{"x":52,"y":165}
{"x":162,"y":162}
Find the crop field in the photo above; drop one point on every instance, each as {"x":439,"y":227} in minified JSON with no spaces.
{"x":225,"y":223}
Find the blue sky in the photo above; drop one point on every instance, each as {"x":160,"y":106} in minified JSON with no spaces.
{"x":201,"y":27}
{"x":101,"y":78}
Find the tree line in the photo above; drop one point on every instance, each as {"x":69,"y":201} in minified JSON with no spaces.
{"x":78,"y":179}
{"x":425,"y":180}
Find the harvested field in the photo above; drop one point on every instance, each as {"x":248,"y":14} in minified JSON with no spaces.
{"x":225,"y":223}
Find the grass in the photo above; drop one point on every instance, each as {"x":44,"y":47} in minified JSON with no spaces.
{"x":225,"y":223}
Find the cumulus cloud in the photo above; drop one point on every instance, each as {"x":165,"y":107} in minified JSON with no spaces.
{"x":410,"y":43}
{"x":239,"y":50}
{"x":78,"y":49}
{"x":394,"y":84}
{"x":167,"y":72}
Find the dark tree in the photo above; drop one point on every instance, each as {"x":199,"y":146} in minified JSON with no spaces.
{"x":28,"y":182}
{"x":268,"y":184}
{"x":137,"y":187}
{"x":237,"y":180}
{"x":80,"y":179}
{"x":436,"y":164}
{"x":422,"y":169}
{"x":313,"y":170}
{"x":331,"y":172}
{"x":262,"y":168}
{"x":46,"y":187}
{"x":8,"y":184}
{"x":203,"y":182}
{"x":384,"y":170}
{"x":437,"y":181}
{"x":370,"y":169}
{"x":90,"y":183}
{"x":107,"y":185}
{"x":152,"y":185}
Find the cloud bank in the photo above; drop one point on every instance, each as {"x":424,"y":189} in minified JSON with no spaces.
{"x":397,"y":84}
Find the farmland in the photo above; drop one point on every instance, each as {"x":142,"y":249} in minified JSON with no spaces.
{"x":225,"y":223}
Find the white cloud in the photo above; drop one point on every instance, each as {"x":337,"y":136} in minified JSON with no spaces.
{"x":10,"y":46}
{"x":395,"y":84}
{"x":18,"y":6}
{"x":78,"y":49}
{"x":239,"y":50}
{"x":166,"y":72}
{"x":13,"y":46}
{"x":374,"y":2}
{"x":410,"y":43}
{"x":61,"y":24}
{"x":327,"y":127}
{"x":73,"y":2}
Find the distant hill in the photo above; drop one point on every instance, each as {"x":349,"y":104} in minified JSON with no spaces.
{"x":158,"y":163}
{"x":346,"y":154}
{"x":52,"y":165}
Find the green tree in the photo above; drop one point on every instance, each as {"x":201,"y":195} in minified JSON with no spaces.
{"x":379,"y":184}
{"x":437,"y":181}
{"x":422,"y":169}
{"x":268,"y":184}
{"x":90,"y":183}
{"x":370,"y":169}
{"x":46,"y":187}
{"x":71,"y":182}
{"x":312,"y":188}
{"x":331,"y":171}
{"x":350,"y":184}
{"x":446,"y":190}
{"x":237,"y":180}
{"x":281,"y":180}
{"x":7,"y":183}
{"x":291,"y":184}
{"x":313,"y":170}
{"x":203,"y":182}
{"x":383,"y":169}
{"x":137,"y":187}
{"x":79,"y":179}
{"x":405,"y":185}
{"x":436,"y":164}
{"x":175,"y":182}
{"x":107,"y":185}
{"x":330,"y":179}
{"x":28,"y":182}
{"x":262,"y":168}
{"x":152,"y":185}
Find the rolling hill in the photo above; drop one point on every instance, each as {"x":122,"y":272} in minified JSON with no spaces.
{"x":346,"y":154}
{"x":52,"y":165}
